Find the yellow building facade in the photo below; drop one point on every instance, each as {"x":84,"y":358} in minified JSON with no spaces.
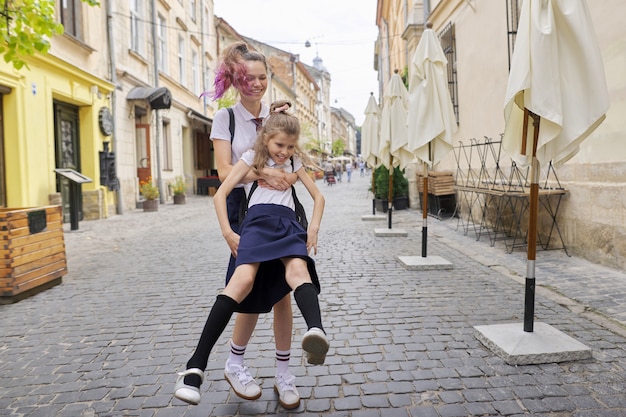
{"x":54,"y":116}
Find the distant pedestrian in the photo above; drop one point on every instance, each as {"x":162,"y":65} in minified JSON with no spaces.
{"x":362,"y":168}
{"x":329,"y":170}
{"x":349,"y":170}
{"x":338,"y":170}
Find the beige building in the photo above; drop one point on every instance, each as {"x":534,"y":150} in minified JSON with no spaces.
{"x":163,"y":61}
{"x":344,"y":129}
{"x":478,"y":37}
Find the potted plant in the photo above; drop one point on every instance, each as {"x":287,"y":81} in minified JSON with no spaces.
{"x":150,"y":193}
{"x":179,"y":188}
{"x":381,"y":191}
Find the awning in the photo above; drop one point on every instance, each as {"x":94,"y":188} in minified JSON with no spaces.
{"x":199,"y":117}
{"x":156,"y":97}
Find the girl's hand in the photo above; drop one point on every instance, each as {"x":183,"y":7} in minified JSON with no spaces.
{"x":275,"y":179}
{"x":311,"y":241}
{"x":232,"y":239}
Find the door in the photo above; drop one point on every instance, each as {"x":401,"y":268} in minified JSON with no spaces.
{"x":144,"y":162}
{"x":3,"y":200}
{"x":67,"y":153}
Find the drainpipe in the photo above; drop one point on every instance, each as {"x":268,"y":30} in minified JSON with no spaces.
{"x":120,"y":202}
{"x":426,"y":12}
{"x":155,"y":50}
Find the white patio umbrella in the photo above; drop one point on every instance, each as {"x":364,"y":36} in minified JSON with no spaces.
{"x":431,"y":118}
{"x":393,"y":131}
{"x":370,"y":138}
{"x":557,"y":79}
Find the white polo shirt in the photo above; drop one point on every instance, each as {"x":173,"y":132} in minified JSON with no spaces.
{"x":266,"y":196}
{"x":245,"y":129}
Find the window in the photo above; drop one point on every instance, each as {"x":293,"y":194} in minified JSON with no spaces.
{"x":512,"y":21}
{"x":137,"y":35}
{"x":448,"y":44}
{"x":162,"y":44}
{"x":70,"y":14}
{"x":192,"y":9}
{"x":181,"y":61}
{"x":195,"y":70}
{"x":167,"y":146}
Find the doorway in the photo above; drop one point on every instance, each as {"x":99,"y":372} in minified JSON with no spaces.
{"x":3,"y":193}
{"x":144,"y":160}
{"x":67,"y":153}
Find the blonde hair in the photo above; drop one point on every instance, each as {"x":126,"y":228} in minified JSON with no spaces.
{"x":278,"y":121}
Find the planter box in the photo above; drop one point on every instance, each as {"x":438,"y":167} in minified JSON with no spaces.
{"x":150,"y":205}
{"x":381,"y":205}
{"x":180,"y":199}
{"x":400,"y":203}
{"x":32,"y":251}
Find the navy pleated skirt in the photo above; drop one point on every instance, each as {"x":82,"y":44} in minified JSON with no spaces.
{"x":268,"y":233}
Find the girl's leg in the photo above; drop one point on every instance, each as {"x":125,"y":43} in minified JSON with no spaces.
{"x":217,"y":321}
{"x":242,"y":332}
{"x":283,"y":323}
{"x":305,"y":293}
{"x":314,"y":341}
{"x":285,"y":382}
{"x":235,"y":371}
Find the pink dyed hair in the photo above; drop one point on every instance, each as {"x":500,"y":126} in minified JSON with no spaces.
{"x":232,"y":72}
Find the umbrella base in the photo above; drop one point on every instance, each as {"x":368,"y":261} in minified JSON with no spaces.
{"x":545,"y":344}
{"x":371,"y":217}
{"x":421,"y":263}
{"x":390,"y":232}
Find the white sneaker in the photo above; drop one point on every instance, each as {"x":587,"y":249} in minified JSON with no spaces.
{"x":315,"y":344}
{"x":188,"y":393}
{"x":239,"y":378}
{"x":285,"y":387}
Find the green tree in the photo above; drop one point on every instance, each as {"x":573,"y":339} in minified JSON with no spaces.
{"x":338,"y":146}
{"x":229,"y":99}
{"x":26,"y":27}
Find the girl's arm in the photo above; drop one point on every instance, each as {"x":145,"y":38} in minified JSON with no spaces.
{"x":318,"y":209}
{"x":270,"y":178}
{"x":235,"y":177}
{"x":276,"y":179}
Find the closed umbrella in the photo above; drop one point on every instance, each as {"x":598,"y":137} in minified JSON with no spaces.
{"x":431,"y":118}
{"x":393,"y":131}
{"x":370,"y":138}
{"x":557,"y":80}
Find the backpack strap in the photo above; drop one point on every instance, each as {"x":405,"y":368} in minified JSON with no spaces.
{"x":243,"y":205}
{"x":231,"y":123}
{"x":299,"y":209}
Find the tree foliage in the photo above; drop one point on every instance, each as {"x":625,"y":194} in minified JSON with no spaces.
{"x":338,"y":147}
{"x":26,"y":27}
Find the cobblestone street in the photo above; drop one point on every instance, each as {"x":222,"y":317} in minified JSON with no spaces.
{"x":110,"y":339}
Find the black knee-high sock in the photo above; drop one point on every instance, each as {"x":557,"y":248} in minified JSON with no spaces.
{"x":306,"y":298}
{"x":218,"y":319}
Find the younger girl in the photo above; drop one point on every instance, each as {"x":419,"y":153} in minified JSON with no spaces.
{"x":269,"y":231}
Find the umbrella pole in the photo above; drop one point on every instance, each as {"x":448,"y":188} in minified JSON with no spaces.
{"x":529,"y":300}
{"x":373,"y":191}
{"x":425,"y":211}
{"x":390,"y":198}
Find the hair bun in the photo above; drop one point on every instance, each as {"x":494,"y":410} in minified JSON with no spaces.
{"x":280,"y":106}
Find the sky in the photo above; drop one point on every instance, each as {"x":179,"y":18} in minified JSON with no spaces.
{"x":341,"y":32}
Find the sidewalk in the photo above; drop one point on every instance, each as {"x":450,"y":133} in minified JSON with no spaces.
{"x":109,"y":340}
